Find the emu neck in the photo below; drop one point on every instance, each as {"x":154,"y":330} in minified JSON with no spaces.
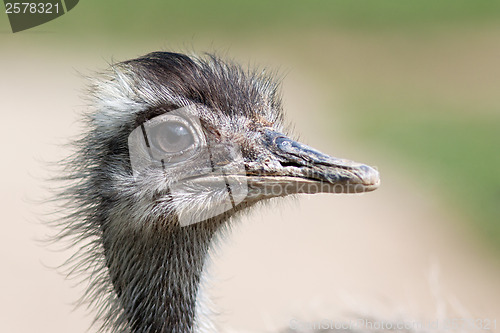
{"x":156,"y":274}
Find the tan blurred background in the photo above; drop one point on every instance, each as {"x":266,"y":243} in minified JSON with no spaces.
{"x":410,"y":87}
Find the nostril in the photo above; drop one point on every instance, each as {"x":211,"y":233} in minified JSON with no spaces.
{"x":291,"y":164}
{"x":283,"y":143}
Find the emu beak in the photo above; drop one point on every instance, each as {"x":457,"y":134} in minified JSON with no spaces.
{"x":293,"y":167}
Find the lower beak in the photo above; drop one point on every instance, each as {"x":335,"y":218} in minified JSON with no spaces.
{"x":298,"y":168}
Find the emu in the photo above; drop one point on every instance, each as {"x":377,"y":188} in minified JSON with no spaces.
{"x":175,"y":148}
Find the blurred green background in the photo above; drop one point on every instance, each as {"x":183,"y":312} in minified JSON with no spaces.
{"x":418,"y":80}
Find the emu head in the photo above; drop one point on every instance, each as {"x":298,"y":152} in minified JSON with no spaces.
{"x":175,"y":146}
{"x":194,"y":139}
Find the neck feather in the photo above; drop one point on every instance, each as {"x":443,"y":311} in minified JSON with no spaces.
{"x":156,"y":274}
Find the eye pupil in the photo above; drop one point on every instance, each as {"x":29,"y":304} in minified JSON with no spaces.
{"x":172,"y":137}
{"x":174,"y":133}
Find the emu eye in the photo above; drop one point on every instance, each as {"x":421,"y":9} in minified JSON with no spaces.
{"x":166,"y":141}
{"x":172,"y":137}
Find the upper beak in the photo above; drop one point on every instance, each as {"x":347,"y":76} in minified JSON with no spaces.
{"x":293,"y":167}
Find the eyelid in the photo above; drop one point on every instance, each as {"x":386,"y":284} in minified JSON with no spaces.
{"x":166,"y":118}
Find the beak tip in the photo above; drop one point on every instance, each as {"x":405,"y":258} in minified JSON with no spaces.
{"x":370,"y":177}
